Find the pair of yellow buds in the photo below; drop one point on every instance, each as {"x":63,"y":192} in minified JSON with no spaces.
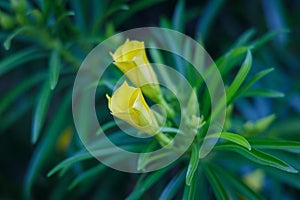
{"x":127,"y":103}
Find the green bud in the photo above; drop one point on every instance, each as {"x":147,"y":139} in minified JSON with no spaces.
{"x":6,"y":21}
{"x":19,"y":6}
{"x":37,"y":16}
{"x":21,"y":18}
{"x":253,"y":128}
{"x":192,"y":119}
{"x":192,"y":105}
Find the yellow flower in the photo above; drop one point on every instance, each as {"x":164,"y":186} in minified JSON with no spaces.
{"x":128,"y":104}
{"x":132,"y":60}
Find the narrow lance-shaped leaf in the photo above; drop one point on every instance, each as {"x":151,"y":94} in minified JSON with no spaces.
{"x":258,"y":157}
{"x":190,"y":190}
{"x":214,"y":181}
{"x":276,"y":144}
{"x":209,"y":14}
{"x":255,"y":78}
{"x":172,"y":188}
{"x":178,"y":17}
{"x":244,"y":38}
{"x":240,"y":77}
{"x":86,"y":175}
{"x":146,"y":183}
{"x":23,"y":29}
{"x":194,"y":161}
{"x":263,"y":93}
{"x":40,"y":112}
{"x":267,"y":37}
{"x":233,"y":137}
{"x":45,"y":147}
{"x":252,"y":81}
{"x":54,"y":68}
{"x":19,"y":58}
{"x":236,"y":183}
{"x":144,"y":157}
{"x":231,"y":59}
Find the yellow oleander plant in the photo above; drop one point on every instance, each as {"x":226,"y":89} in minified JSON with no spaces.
{"x":43,"y":155}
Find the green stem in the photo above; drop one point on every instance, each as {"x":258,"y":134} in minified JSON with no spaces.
{"x":169,"y":110}
{"x":162,"y":139}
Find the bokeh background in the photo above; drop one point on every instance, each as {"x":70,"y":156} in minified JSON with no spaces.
{"x":43,"y":28}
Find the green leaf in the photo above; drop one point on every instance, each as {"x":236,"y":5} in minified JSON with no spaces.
{"x":158,"y":58}
{"x":257,"y":157}
{"x":144,"y":184}
{"x":233,"y":137}
{"x":79,"y":16}
{"x":86,"y":175}
{"x":40,"y":112}
{"x":198,"y":185}
{"x":111,"y":10}
{"x":292,"y":179}
{"x":206,"y":20}
{"x":240,"y":77}
{"x":19,"y":58}
{"x":231,"y":180}
{"x":54,"y":68}
{"x":65,"y":164}
{"x":193,"y":164}
{"x":143,"y":159}
{"x":267,"y":37}
{"x":255,"y":78}
{"x":262,"y":93}
{"x":284,"y":177}
{"x":148,"y":160}
{"x":62,"y":17}
{"x":178,"y":16}
{"x":230,"y":59}
{"x":106,"y":126}
{"x":23,"y":29}
{"x":244,"y":38}
{"x":214,"y":181}
{"x":276,"y":144}
{"x":18,"y":90}
{"x":252,"y":81}
{"x":84,"y":155}
{"x":45,"y":148}
{"x":173,"y":186}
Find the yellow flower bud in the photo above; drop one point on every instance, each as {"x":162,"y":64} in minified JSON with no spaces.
{"x":128,"y":104}
{"x":131,"y":57}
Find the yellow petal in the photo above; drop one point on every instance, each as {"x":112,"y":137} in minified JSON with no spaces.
{"x":109,"y":101}
{"x":120,"y":100}
{"x":128,"y":50}
{"x":128,"y":104}
{"x":125,"y":66}
{"x":132,"y":60}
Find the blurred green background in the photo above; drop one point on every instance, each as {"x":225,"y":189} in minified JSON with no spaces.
{"x":38,"y":36}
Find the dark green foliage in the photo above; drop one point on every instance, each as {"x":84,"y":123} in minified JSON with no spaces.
{"x":44,"y":44}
